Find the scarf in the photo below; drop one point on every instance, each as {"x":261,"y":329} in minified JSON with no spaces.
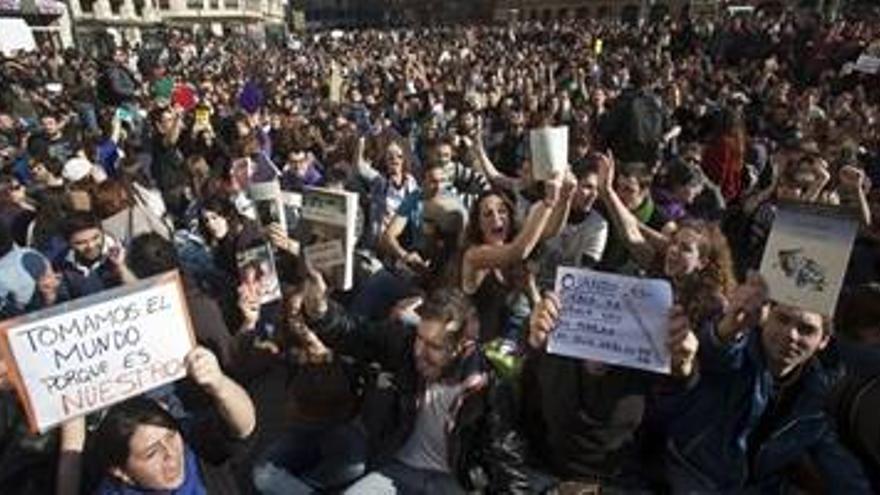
{"x":192,"y":482}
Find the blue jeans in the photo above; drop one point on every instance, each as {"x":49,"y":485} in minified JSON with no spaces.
{"x":309,"y":458}
{"x":398,"y":478}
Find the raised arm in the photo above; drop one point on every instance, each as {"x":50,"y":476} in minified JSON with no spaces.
{"x":232,"y":402}
{"x":623,"y":220}
{"x":485,"y":166}
{"x":820,"y":167}
{"x":72,"y":440}
{"x":485,"y":257}
{"x":559,"y":217}
{"x":345,"y":334}
{"x":390,"y":242}
{"x":364,"y":168}
{"x":852,"y":184}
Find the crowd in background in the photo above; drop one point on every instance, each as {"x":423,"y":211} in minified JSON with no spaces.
{"x":431,"y":374}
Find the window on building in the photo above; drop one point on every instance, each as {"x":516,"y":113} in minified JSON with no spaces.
{"x":231,"y":4}
{"x":87,"y":6}
{"x":195,"y":4}
{"x":139,"y":8}
{"x":164,"y":4}
{"x":215,"y":4}
{"x":115,"y":6}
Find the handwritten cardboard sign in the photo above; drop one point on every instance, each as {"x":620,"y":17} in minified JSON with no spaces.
{"x":806,"y":256}
{"x":549,"y":148}
{"x":82,"y":356}
{"x":612,"y":319}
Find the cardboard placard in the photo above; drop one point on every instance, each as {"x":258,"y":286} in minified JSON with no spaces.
{"x":268,"y":203}
{"x":806,"y":256}
{"x":88,"y":354}
{"x":612,"y":319}
{"x":331,"y":215}
{"x":256,"y":265}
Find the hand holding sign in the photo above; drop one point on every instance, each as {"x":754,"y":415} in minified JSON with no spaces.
{"x":249,"y":304}
{"x":552,"y":190}
{"x":314,"y":301}
{"x":616,"y":320}
{"x":543,"y":320}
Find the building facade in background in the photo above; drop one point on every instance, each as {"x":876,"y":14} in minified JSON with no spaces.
{"x":47,"y":20}
{"x":131,"y":20}
{"x":628,"y":10}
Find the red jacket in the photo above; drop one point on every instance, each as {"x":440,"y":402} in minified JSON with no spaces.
{"x":723,"y":164}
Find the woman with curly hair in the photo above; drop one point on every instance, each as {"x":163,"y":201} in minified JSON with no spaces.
{"x":695,"y":257}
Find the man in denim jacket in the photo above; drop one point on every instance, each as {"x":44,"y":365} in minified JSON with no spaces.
{"x":755,"y":410}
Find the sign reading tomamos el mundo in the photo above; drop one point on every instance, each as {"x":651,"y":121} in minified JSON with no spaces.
{"x":85,"y":355}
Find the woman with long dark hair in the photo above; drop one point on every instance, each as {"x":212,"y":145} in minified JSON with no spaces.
{"x":140,"y":447}
{"x":695,"y":257}
{"x":493,"y":269}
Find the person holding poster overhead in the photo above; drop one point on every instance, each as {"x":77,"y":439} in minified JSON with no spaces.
{"x":139,"y":447}
{"x":583,"y":417}
{"x":493,"y":269}
{"x":760,"y":390}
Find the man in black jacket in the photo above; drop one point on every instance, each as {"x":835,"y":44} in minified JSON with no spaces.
{"x":440,"y":423}
{"x":118,"y":85}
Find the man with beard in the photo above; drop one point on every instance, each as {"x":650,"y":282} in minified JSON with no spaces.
{"x":94,"y":261}
{"x":437,"y":420}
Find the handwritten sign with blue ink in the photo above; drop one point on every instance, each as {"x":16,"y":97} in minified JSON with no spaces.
{"x":612,"y":319}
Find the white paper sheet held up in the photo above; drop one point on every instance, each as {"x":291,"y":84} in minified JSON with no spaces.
{"x":612,"y":319}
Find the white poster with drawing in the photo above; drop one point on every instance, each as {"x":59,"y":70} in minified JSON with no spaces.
{"x":613,"y":319}
{"x":807,"y":254}
{"x":549,"y":149}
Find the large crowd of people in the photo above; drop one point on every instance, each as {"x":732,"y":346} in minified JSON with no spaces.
{"x":431,"y":374}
